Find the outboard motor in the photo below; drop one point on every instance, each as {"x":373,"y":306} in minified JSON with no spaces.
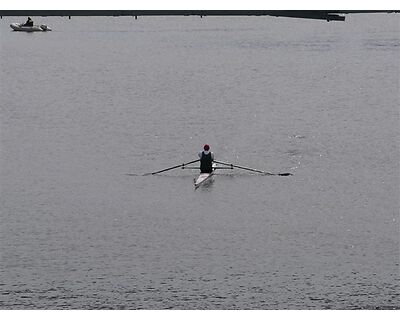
{"x":44,"y":27}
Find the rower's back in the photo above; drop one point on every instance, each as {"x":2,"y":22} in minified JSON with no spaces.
{"x":206,"y":159}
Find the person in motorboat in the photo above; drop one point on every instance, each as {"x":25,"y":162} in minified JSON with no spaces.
{"x":29,"y":22}
{"x":206,"y":159}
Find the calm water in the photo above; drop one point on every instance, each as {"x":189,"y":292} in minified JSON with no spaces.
{"x":99,"y":98}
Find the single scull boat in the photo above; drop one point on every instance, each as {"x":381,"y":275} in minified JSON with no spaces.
{"x":203,"y":178}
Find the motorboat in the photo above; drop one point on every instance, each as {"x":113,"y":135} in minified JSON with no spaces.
{"x":22,"y":27}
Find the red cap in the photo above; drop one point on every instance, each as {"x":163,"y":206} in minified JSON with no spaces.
{"x":206,"y":147}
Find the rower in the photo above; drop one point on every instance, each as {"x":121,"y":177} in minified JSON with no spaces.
{"x":29,"y":22}
{"x":206,"y":159}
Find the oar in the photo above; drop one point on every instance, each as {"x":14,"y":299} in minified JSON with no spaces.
{"x":254,"y":170}
{"x":174,"y":167}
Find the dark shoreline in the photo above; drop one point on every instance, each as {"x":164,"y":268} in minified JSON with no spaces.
{"x":328,"y":15}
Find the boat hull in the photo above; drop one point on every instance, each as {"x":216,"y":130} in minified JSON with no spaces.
{"x":21,"y":27}
{"x":202,"y":179}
